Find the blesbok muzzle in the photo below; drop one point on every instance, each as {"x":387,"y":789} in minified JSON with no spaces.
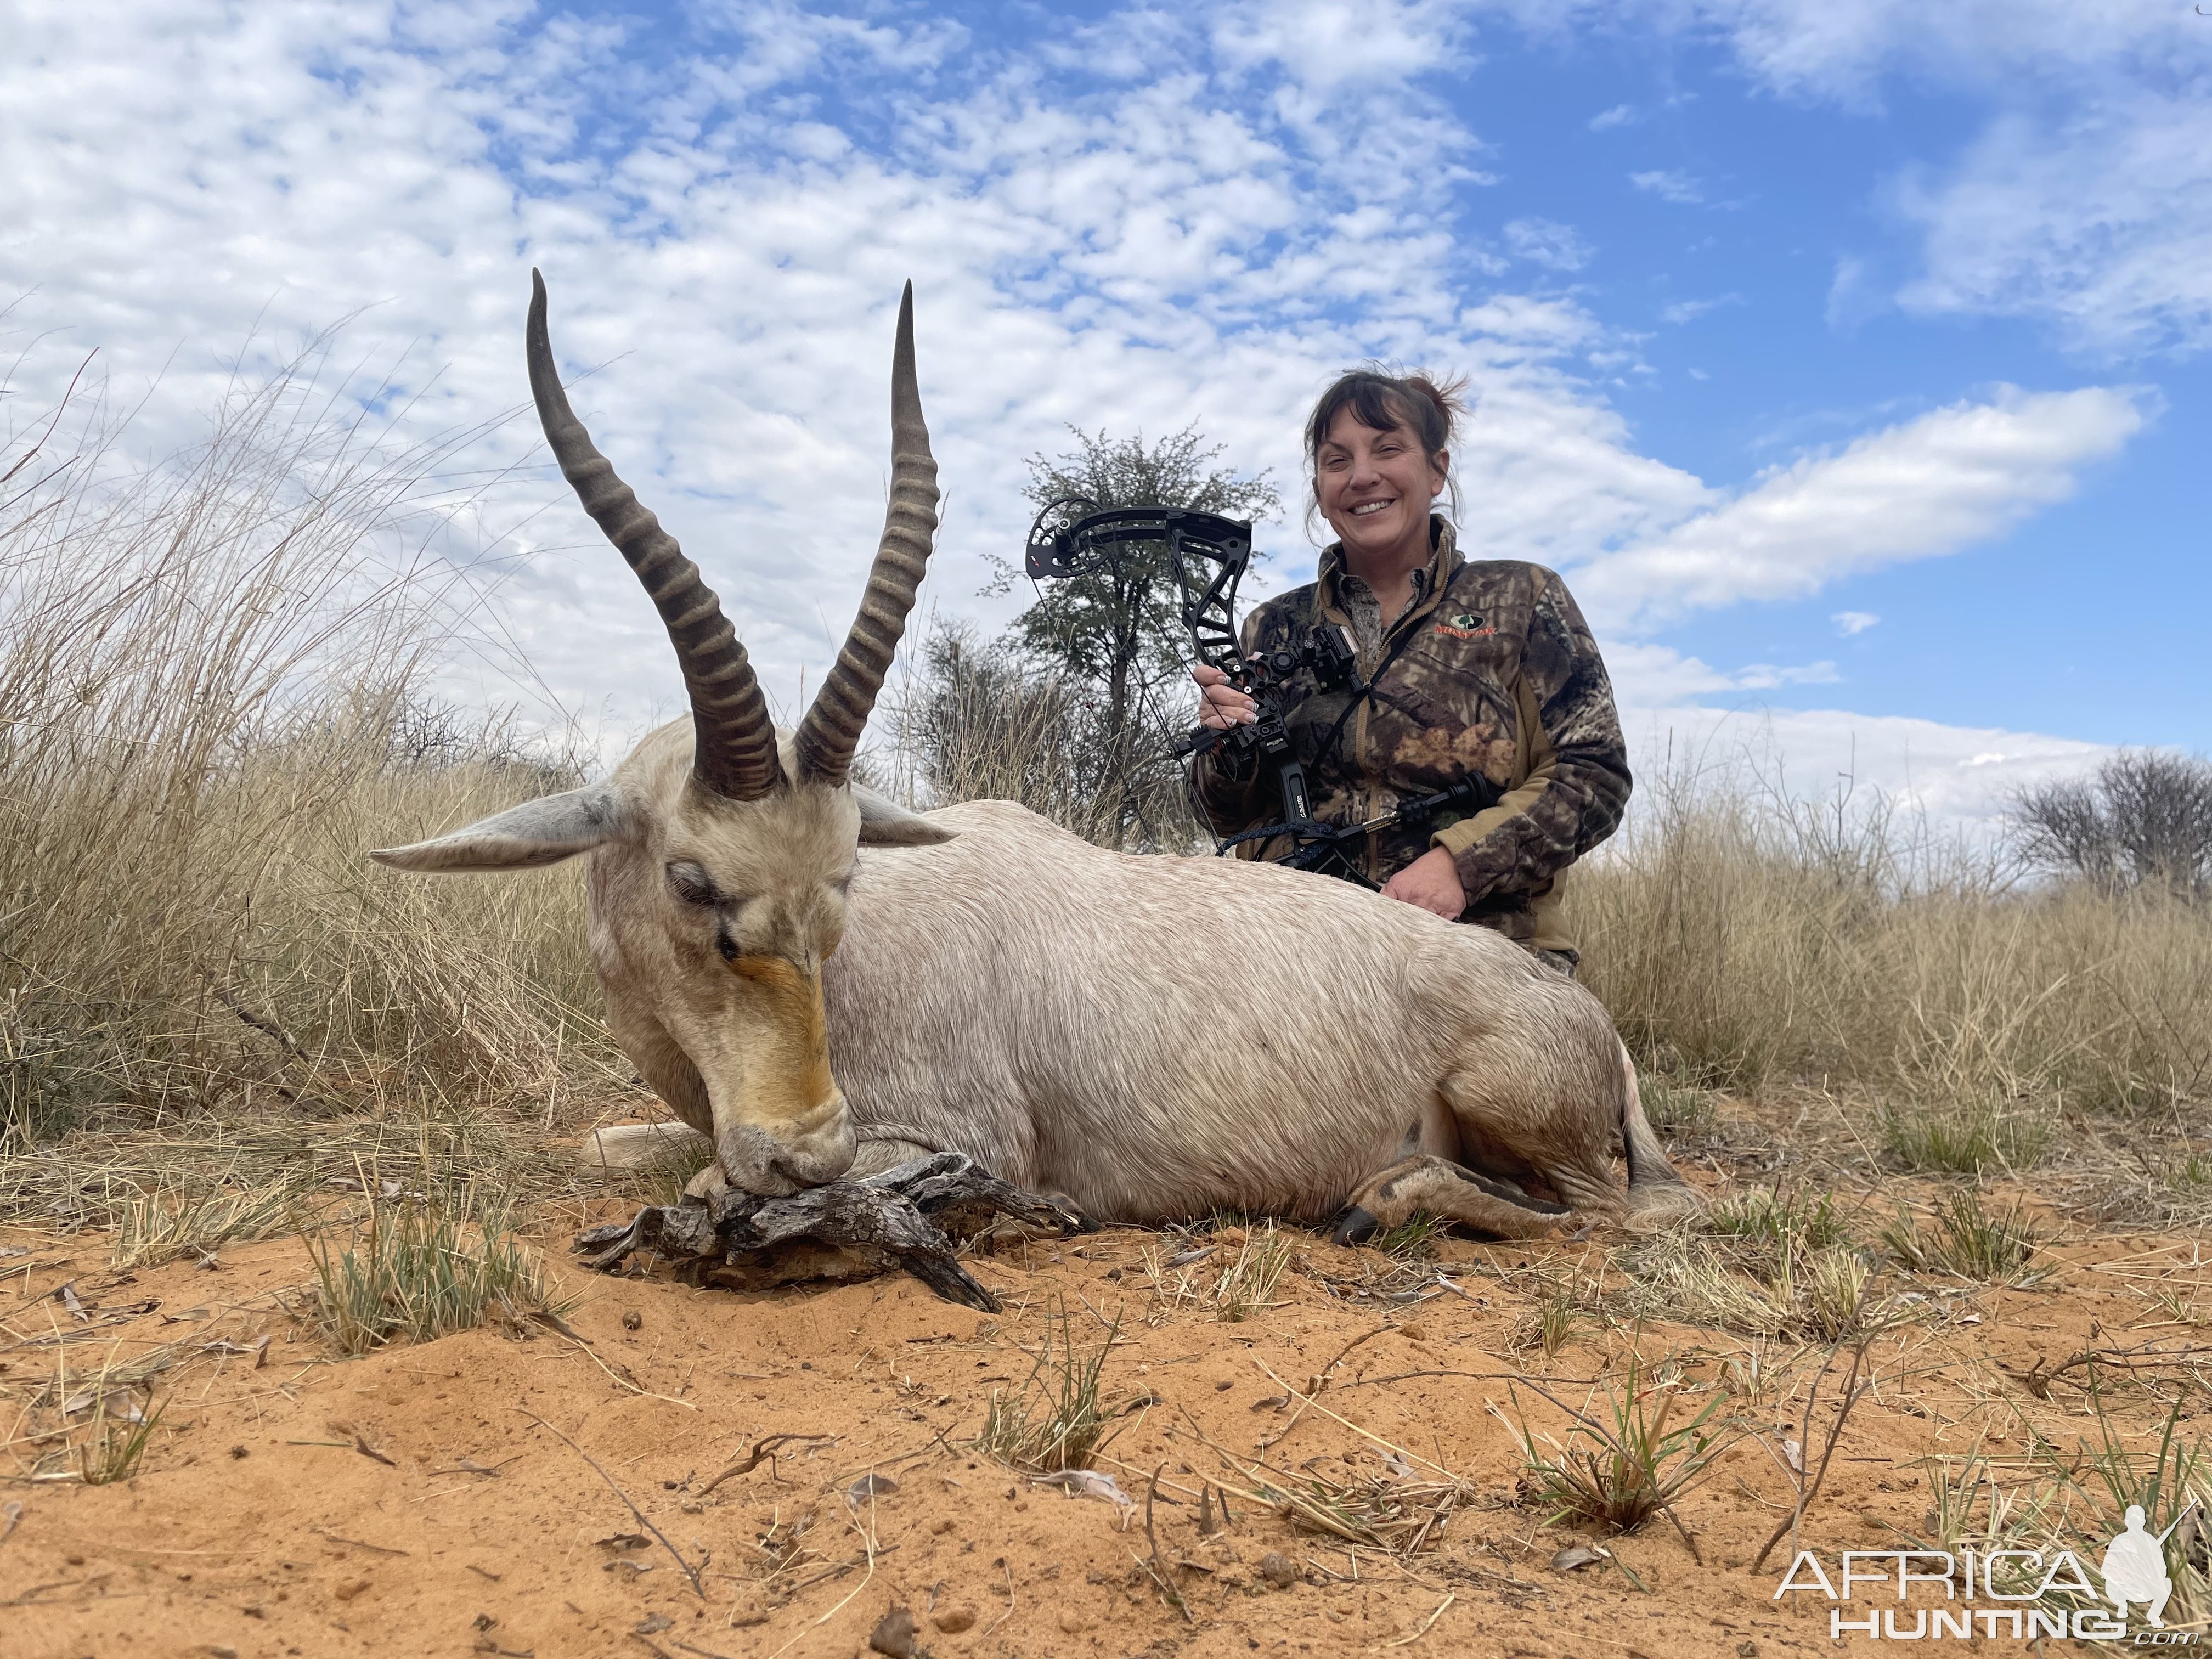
{"x":780,"y":1119}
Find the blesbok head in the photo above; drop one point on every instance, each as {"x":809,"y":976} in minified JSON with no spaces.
{"x":720,"y":849}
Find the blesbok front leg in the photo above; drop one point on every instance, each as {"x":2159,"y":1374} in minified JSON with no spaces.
{"x":1448,"y":1190}
{"x":626,"y":1146}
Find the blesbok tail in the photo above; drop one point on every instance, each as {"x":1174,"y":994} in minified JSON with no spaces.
{"x":1657,"y":1194}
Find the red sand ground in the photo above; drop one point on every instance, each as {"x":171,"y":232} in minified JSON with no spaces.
{"x":419,"y":1501}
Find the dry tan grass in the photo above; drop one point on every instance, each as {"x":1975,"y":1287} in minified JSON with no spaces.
{"x":1742,"y":938}
{"x":968,"y":719}
{"x":1234,"y":1275}
{"x":202,"y":667}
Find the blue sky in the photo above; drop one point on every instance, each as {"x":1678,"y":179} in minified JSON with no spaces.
{"x":1848,"y":355}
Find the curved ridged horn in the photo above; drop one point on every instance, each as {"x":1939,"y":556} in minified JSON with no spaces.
{"x":830,"y":730}
{"x":733,"y":751}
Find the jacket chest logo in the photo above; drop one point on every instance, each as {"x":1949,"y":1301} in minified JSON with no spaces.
{"x":1466,"y":625}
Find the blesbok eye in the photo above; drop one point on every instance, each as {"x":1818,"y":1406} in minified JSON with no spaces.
{"x":691,"y":884}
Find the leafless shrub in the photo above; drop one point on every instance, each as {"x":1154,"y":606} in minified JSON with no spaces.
{"x":987,"y":720}
{"x":2143,"y":820}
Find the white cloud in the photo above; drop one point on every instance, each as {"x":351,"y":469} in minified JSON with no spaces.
{"x":1174,"y":232}
{"x":1543,"y":242}
{"x":1957,"y":776}
{"x":1619,"y":116}
{"x":1851,"y":623}
{"x":2103,"y":227}
{"x":1131,"y":256}
{"x":1919,"y":490}
{"x":1669,"y":184}
{"x":1328,"y":44}
{"x":1688,"y":311}
{"x":1649,"y":676}
{"x":1852,"y":298}
{"x":1841,"y":52}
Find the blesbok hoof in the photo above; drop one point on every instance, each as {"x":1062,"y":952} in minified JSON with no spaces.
{"x":908,"y":1218}
{"x":1355,"y":1226}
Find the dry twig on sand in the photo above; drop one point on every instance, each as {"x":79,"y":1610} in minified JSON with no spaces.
{"x":1806,"y":1475}
{"x":690,"y":1572}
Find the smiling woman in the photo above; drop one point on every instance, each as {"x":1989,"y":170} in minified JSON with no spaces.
{"x":1466,"y":668}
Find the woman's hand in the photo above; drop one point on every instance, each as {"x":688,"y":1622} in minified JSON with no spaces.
{"x":1430,"y":881}
{"x":1221,"y":705}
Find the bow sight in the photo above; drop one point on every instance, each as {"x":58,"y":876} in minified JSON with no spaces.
{"x":1209,"y":555}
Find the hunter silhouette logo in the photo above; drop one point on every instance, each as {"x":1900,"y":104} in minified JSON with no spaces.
{"x":2135,"y":1567}
{"x":2030,"y":1590}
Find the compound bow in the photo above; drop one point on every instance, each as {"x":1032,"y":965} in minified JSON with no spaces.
{"x":1209,"y":554}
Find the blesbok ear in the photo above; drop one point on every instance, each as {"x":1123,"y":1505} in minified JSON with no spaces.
{"x":885,"y":822}
{"x":538,"y":832}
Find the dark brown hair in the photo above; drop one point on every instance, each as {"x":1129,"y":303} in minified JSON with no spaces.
{"x":1380,"y":400}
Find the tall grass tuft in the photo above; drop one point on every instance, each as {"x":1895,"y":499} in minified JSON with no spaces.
{"x":1625,"y":1461}
{"x":1975,"y":1138}
{"x":974,"y":719}
{"x":209,"y":708}
{"x":160,"y":1226}
{"x":115,"y":1443}
{"x":1966,"y":1240}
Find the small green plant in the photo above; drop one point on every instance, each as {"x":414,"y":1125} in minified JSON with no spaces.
{"x":1963,"y":1140}
{"x":1621,"y":1464}
{"x":1836,"y":1304}
{"x":423,"y":1269}
{"x":1808,"y":1220}
{"x":2180,"y":1310}
{"x":1413,"y":1239}
{"x":115,"y":1442}
{"x":2083,"y":1497}
{"x":1056,"y":1419}
{"x":1751,"y":1375}
{"x":1555,"y":1324}
{"x":1781,"y":1217}
{"x":1675,"y":1111}
{"x":1966,"y":1240}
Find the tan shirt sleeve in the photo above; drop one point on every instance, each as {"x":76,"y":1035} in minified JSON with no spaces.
{"x":1539,"y":762}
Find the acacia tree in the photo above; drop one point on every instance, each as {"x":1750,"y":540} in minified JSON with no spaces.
{"x":1117,"y":628}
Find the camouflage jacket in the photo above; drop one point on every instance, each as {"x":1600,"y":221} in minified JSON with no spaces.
{"x":1492,"y":668}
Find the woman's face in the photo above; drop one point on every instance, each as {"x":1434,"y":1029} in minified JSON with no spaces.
{"x":1374,"y":487}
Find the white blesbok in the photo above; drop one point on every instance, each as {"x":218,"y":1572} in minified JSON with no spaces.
{"x":1152,"y":1038}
